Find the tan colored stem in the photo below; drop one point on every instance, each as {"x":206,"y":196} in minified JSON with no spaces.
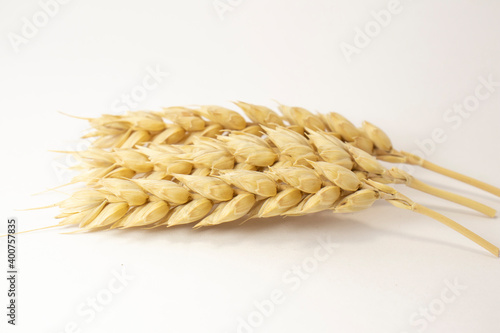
{"x":457,"y":227}
{"x":421,"y":186}
{"x":458,"y":176}
{"x":416,"y":160}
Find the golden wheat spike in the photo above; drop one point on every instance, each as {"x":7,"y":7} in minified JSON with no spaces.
{"x":144,"y":172}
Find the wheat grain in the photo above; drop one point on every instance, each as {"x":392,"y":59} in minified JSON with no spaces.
{"x":190,"y":212}
{"x":291,"y":145}
{"x":377,"y":136}
{"x":165,"y":190}
{"x":279,"y":204}
{"x":230,"y":210}
{"x":184,"y":117}
{"x":261,"y":114}
{"x":111,"y":213}
{"x":301,"y":117}
{"x":250,"y":149}
{"x":357,"y":201}
{"x":227,"y":118}
{"x":125,"y":189}
{"x":208,"y":187}
{"x":322,"y":200}
{"x":172,"y":134}
{"x":302,"y":178}
{"x":330,"y":149}
{"x":337,"y":174}
{"x":254,"y":182}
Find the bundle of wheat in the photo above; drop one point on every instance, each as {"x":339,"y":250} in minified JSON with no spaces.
{"x":209,"y":165}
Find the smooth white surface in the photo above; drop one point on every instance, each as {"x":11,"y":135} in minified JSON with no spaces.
{"x":387,"y":263}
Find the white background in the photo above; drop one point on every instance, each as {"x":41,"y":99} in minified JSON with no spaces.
{"x":387,"y":263}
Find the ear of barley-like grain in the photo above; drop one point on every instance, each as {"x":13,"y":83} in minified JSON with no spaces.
{"x":362,"y":158}
{"x":145,"y":148}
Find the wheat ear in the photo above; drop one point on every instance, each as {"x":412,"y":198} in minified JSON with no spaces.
{"x":225,"y":169}
{"x":119,"y":203}
{"x":169,"y":159}
{"x":139,"y":127}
